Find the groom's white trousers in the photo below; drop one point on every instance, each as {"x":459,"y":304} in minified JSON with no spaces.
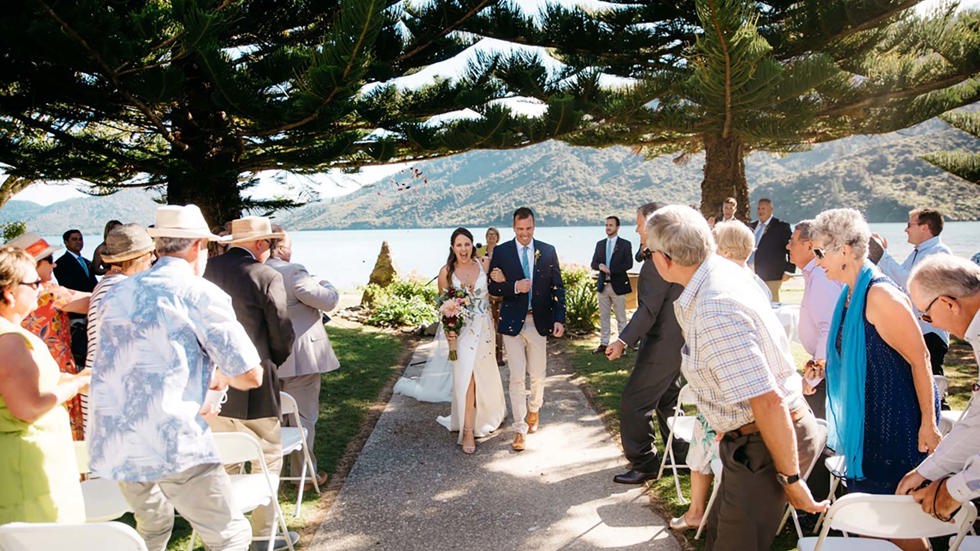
{"x":527,"y":355}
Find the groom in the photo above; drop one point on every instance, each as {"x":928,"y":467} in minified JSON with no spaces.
{"x":526,"y":274}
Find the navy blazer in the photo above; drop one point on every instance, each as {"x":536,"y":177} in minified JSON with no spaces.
{"x":771,"y":256}
{"x":547,"y":289}
{"x":620,"y":263}
{"x":70,"y":273}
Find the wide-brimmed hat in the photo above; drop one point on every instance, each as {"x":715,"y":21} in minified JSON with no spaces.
{"x":126,"y":242}
{"x":178,"y":221}
{"x":33,"y":244}
{"x":252,"y":228}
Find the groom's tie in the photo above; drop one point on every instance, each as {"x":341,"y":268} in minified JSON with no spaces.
{"x":527,"y":270}
{"x":609,"y":252}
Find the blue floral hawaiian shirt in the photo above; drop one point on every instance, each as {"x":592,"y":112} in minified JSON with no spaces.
{"x":161,"y":334}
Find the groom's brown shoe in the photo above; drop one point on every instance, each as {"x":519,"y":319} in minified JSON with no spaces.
{"x":532,"y":421}
{"x":518,"y":443}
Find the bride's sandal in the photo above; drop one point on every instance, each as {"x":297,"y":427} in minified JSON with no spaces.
{"x":471,"y":446}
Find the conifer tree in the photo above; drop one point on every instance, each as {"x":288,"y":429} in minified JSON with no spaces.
{"x":965,"y":164}
{"x":196,"y":96}
{"x":730,"y":76}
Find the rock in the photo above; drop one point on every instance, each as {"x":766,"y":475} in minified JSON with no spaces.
{"x":383,"y":273}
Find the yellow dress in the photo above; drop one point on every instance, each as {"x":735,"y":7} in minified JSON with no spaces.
{"x":38,"y":471}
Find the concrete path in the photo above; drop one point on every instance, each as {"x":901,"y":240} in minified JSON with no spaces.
{"x":413,"y":489}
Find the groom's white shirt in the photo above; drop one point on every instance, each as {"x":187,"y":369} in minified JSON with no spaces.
{"x":530,"y":260}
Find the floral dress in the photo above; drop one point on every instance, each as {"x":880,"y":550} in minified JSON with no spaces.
{"x":51,"y":324}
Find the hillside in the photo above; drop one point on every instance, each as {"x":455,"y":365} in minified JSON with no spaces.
{"x":882,"y":176}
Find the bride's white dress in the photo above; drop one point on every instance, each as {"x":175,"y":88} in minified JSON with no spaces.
{"x":443,"y":380}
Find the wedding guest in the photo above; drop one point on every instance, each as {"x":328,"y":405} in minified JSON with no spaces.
{"x":734,"y":242}
{"x":613,"y":257}
{"x":526,"y":273}
{"x":493,"y":237}
{"x":816,"y":313}
{"x":737,"y":362}
{"x":128,"y":250}
{"x":38,"y":475}
{"x":50,"y":321}
{"x":300,"y":375}
{"x":728,"y":208}
{"x":98,"y":266}
{"x":258,"y":297}
{"x":652,"y":384}
{"x":946,"y":289}
{"x":72,"y":269}
{"x":163,"y":332}
{"x":922,"y":230}
{"x":881,"y":406}
{"x":771,"y":237}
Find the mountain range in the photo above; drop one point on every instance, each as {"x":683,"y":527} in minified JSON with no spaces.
{"x":883,"y":176}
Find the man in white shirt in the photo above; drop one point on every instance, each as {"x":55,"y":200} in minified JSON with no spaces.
{"x":612,"y":258}
{"x":946,"y":289}
{"x":923,"y":229}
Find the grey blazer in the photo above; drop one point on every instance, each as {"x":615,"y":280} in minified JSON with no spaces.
{"x":305,"y":298}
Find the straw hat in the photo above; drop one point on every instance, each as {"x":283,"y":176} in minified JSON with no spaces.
{"x":182,"y":222}
{"x":252,"y":228}
{"x":33,"y":244}
{"x":126,"y":242}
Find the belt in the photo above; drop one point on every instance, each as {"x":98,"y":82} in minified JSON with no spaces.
{"x":530,"y":312}
{"x":752,"y":428}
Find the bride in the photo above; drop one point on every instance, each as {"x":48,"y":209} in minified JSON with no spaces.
{"x":478,"y":405}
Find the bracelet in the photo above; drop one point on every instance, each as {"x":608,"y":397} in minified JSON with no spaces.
{"x":935,"y":498}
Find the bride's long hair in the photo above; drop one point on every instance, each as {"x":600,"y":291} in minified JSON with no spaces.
{"x":451,"y":262}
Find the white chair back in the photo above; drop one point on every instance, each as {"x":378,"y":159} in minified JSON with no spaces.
{"x":686,"y":397}
{"x":288,"y":406}
{"x":893,"y":517}
{"x":44,"y":536}
{"x":239,"y":447}
{"x":942,"y":385}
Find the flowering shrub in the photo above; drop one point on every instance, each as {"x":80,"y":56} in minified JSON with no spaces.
{"x":402,"y":303}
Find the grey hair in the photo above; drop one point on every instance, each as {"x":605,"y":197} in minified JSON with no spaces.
{"x":274,"y":243}
{"x":945,"y":274}
{"x":682,"y":233}
{"x":806,"y":229}
{"x":173,"y":245}
{"x":839,"y":227}
{"x":734,"y":240}
{"x":649,"y":208}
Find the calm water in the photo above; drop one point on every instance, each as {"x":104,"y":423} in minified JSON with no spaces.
{"x":346,"y":257}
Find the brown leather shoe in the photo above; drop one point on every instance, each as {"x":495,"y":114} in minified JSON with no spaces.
{"x":532,"y":421}
{"x":518,"y":443}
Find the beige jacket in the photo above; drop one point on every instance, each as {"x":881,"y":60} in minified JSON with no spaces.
{"x":305,"y":298}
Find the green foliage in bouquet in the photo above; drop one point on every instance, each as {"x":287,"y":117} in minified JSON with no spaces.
{"x":403,"y":303}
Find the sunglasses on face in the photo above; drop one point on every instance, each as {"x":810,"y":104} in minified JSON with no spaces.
{"x":820,"y":253}
{"x":924,"y":316}
{"x":33,"y":284}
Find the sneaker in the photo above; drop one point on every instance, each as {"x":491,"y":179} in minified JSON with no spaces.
{"x":280,"y":543}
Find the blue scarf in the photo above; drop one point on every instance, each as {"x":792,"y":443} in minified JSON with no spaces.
{"x":846,"y":373}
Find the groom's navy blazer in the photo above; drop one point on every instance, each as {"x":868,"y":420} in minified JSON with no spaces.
{"x":547,"y":289}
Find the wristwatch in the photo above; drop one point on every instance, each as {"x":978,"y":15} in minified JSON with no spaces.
{"x":787,"y":480}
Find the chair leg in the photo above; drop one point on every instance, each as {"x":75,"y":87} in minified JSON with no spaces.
{"x":707,"y":509}
{"x":663,"y":460}
{"x":796,"y":522}
{"x":782,"y":523}
{"x":190,"y":542}
{"x":302,"y":486}
{"x":834,"y":481}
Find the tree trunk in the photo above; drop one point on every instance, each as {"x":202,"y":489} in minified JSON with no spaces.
{"x":205,"y":170}
{"x":724,"y":176}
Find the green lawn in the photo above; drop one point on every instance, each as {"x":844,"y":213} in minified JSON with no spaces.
{"x":606,"y":380}
{"x":369,"y":360}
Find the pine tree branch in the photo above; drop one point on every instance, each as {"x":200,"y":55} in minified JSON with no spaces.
{"x":109,"y":72}
{"x":726,"y":56}
{"x":881,"y":99}
{"x":442,"y":33}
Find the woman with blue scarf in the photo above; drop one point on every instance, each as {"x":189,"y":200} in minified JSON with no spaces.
{"x":882,"y":408}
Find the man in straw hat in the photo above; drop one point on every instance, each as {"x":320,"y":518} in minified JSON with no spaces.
{"x":165,"y":336}
{"x":259,"y":299}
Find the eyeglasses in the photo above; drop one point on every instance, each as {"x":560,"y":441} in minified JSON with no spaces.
{"x":33,"y":284}
{"x":667,"y":256}
{"x":819,"y":253}
{"x":924,"y":316}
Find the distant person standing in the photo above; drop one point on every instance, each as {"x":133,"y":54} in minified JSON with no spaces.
{"x":98,"y":264}
{"x":493,"y":237}
{"x":922,"y":229}
{"x":770,"y":258}
{"x":72,"y":269}
{"x":728,"y":209}
{"x":613,"y":257}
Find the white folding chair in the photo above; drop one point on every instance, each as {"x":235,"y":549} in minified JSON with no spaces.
{"x":970,"y":543}
{"x":50,"y":536}
{"x":716,"y":469}
{"x":835,"y":466}
{"x":885,"y":516}
{"x":681,"y":428}
{"x":790,"y":510}
{"x":294,"y":440}
{"x":250,"y":490}
{"x":103,"y":499}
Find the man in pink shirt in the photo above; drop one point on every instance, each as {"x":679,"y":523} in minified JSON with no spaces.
{"x":816,"y":311}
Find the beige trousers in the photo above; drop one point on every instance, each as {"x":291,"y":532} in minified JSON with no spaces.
{"x":774,"y":287}
{"x":202,"y":495}
{"x":609,"y":300}
{"x":526,"y":357}
{"x":269,"y":433}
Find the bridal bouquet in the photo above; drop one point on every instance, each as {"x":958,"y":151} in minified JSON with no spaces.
{"x":454,"y":307}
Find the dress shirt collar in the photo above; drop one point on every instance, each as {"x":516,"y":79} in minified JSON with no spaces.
{"x":972,"y":336}
{"x":520,"y":248}
{"x":765,"y":222}
{"x":613,"y":239}
{"x":810,"y":266}
{"x":690,"y":293}
{"x":77,"y":256}
{"x":928,"y":244}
